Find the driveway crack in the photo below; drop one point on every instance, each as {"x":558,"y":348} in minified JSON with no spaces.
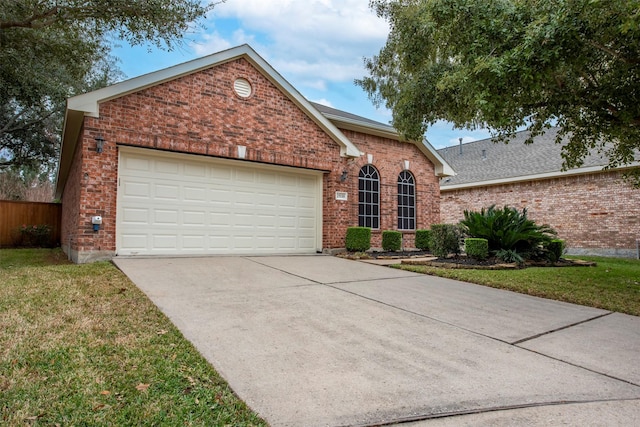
{"x":533,"y":337}
{"x":426,"y":417}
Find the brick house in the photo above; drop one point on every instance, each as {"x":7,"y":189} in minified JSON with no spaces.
{"x":595,"y":211}
{"x":221,"y":155}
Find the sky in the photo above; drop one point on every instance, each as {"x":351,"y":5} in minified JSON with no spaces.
{"x":318,"y":46}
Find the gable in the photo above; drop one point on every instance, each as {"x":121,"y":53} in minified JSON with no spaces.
{"x":93,"y":105}
{"x":355,"y":123}
{"x":202,"y":113}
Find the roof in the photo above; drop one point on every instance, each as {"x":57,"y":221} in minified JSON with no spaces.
{"x":326,"y":118}
{"x":350,"y":121}
{"x":488,"y":161}
{"x":345,"y":117}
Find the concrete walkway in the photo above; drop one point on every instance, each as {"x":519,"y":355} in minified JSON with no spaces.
{"x":323,"y":341}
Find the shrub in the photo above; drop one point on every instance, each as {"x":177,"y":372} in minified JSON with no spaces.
{"x":507,"y":229}
{"x":509,"y":255}
{"x":423,"y":239}
{"x":391,"y":240}
{"x":358,"y":239}
{"x":445,"y":239}
{"x":35,"y":235}
{"x":555,"y":249}
{"x":476,"y":248}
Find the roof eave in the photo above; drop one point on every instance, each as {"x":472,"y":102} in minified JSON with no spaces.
{"x":89,"y":103}
{"x":70,"y":133}
{"x":535,"y":177}
{"x":442,"y":168}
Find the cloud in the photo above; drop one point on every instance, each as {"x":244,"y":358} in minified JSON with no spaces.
{"x":214,"y":42}
{"x":323,"y":102}
{"x":315,"y":42}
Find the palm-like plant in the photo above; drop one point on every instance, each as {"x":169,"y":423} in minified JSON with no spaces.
{"x":507,"y":229}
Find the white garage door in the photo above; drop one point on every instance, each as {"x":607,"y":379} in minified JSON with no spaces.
{"x":182,"y":204}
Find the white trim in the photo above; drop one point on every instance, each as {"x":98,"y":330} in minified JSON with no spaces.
{"x":213,"y":160}
{"x":442,"y":168}
{"x":535,"y":177}
{"x":89,"y":103}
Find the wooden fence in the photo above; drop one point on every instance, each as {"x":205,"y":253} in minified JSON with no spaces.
{"x":15,"y":215}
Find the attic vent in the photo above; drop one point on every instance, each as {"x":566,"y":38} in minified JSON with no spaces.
{"x":242,"y":88}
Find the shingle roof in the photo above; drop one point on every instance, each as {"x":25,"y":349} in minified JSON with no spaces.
{"x":329,"y":111}
{"x":488,"y":160}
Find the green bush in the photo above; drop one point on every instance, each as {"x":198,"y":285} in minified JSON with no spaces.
{"x":358,"y":239}
{"x":423,"y":240}
{"x":445,"y":239}
{"x":35,"y":236}
{"x":507,"y":229}
{"x":555,"y":249}
{"x":509,"y":255}
{"x":476,"y":248}
{"x":391,"y":240}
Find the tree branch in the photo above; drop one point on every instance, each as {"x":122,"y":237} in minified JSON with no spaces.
{"x":24,"y":125}
{"x":48,"y":17}
{"x":613,"y":53}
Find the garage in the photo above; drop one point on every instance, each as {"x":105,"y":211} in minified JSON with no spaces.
{"x":171,"y":204}
{"x":221,"y":155}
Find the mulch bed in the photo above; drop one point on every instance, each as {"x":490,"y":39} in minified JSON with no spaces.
{"x":384,"y":255}
{"x":464,"y":262}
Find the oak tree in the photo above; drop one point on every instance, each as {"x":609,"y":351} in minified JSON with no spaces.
{"x":509,"y":64}
{"x":53,"y":49}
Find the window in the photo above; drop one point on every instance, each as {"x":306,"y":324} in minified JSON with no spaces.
{"x":406,"y":201}
{"x":369,"y":197}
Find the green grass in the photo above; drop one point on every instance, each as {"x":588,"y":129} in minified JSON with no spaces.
{"x":81,"y":345}
{"x":613,"y":285}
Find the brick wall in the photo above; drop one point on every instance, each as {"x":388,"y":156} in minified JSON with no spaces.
{"x":596,"y":213}
{"x":201,"y":114}
{"x":388,"y":158}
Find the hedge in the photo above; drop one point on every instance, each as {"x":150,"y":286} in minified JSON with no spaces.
{"x":391,"y":240}
{"x":555,"y":250}
{"x":423,"y":239}
{"x":358,"y":239}
{"x":476,"y":248}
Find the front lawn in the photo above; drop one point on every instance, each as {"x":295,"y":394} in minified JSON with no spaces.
{"x":613,"y":285}
{"x":81,"y":345}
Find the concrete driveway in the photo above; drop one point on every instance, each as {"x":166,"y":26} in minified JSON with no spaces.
{"x":322,"y":341}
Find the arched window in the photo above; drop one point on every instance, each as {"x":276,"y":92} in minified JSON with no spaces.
{"x":369,"y":197}
{"x":406,"y":201}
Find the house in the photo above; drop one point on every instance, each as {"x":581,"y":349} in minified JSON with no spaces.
{"x":594,"y":210}
{"x":221,"y":155}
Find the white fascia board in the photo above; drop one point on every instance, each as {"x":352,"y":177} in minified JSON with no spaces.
{"x":442,"y":168}
{"x":535,"y":177}
{"x":89,"y":103}
{"x":70,"y":132}
{"x":360,"y":126}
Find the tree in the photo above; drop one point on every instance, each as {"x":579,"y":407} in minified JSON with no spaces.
{"x":508,"y":64}
{"x":25,"y":185}
{"x":53,"y":49}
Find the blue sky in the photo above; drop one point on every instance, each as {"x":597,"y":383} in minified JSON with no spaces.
{"x":317,"y":45}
